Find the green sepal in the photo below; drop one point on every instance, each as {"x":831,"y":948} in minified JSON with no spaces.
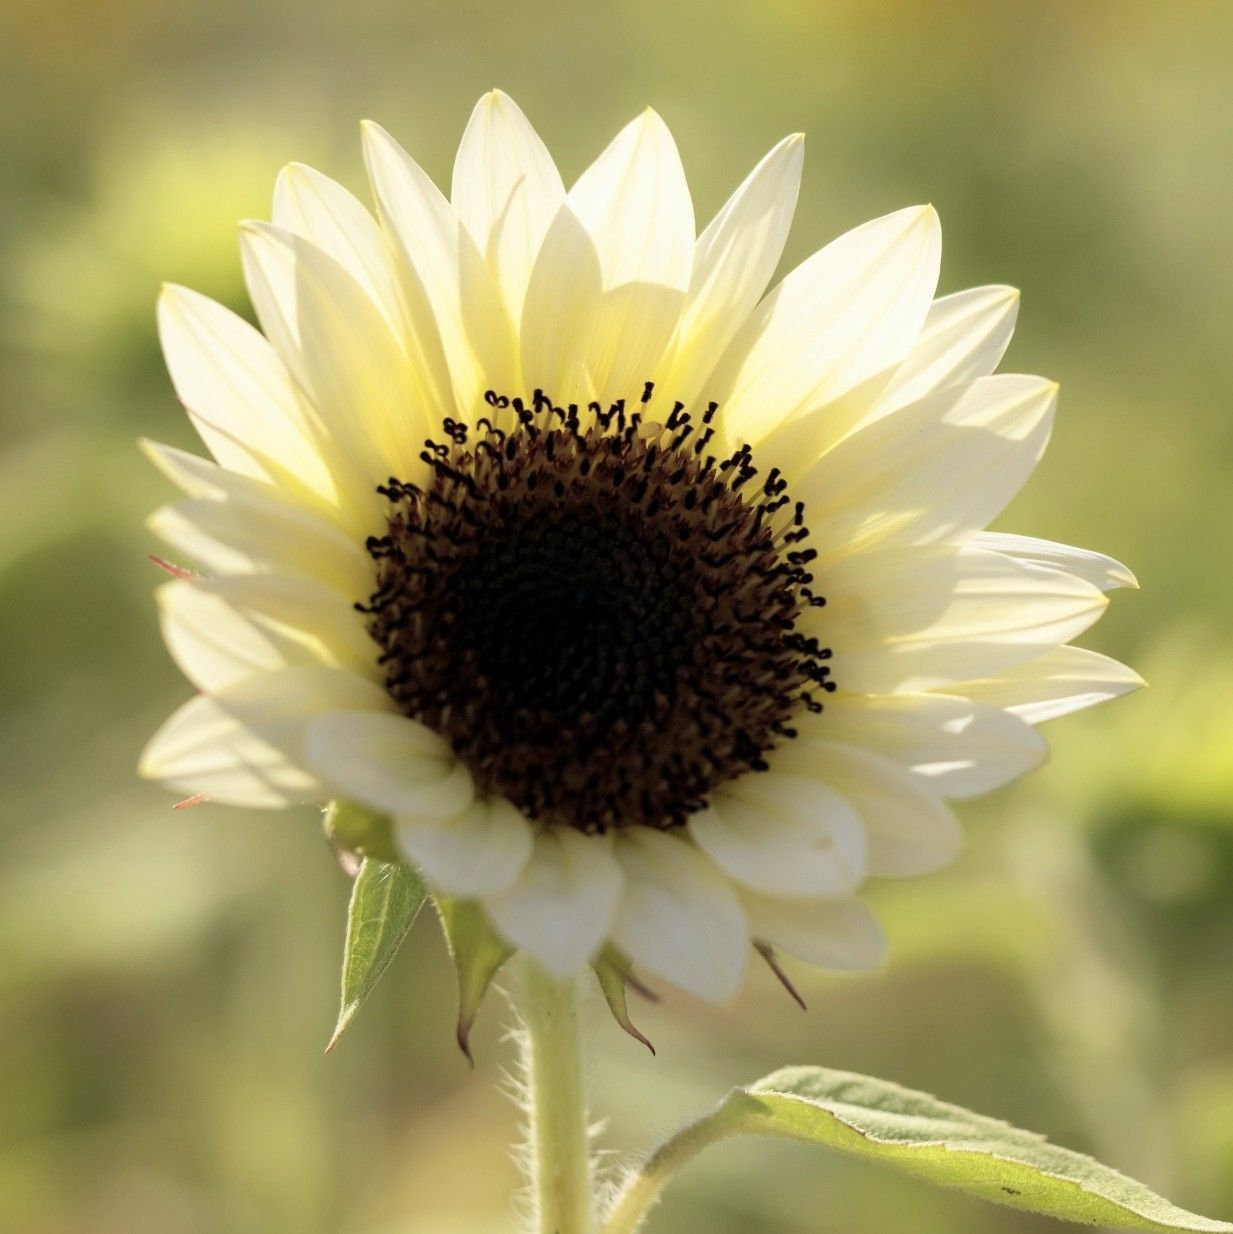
{"x":478,"y":953}
{"x":385,"y":900}
{"x":612,"y":972}
{"x":353,"y":829}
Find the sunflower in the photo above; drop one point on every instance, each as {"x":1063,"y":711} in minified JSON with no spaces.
{"x":655,"y":612}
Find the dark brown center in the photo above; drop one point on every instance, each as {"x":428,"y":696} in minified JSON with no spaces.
{"x":597,"y":613}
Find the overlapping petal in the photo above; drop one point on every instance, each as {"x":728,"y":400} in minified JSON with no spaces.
{"x":839,"y":323}
{"x":562,"y":905}
{"x":221,"y":630}
{"x":246,"y":744}
{"x":445,"y":280}
{"x":734,"y":259}
{"x":1063,"y":680}
{"x":840,"y":934}
{"x":962,"y":748}
{"x":783,"y":834}
{"x":615,"y":264}
{"x":679,"y":917}
{"x":391,"y":763}
{"x":908,"y":619}
{"x":506,"y":191}
{"x":480,"y":851}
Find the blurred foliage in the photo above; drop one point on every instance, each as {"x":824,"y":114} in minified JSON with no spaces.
{"x":167,"y":980}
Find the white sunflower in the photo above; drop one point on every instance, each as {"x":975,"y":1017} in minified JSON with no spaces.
{"x":656,"y":612}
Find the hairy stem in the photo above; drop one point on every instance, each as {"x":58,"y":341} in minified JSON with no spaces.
{"x":560,"y":1160}
{"x":643,"y":1187}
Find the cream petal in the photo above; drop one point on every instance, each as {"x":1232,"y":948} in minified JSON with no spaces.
{"x":847,"y":316}
{"x":220,"y":630}
{"x":917,"y":618}
{"x":635,"y":204}
{"x":390,"y":763}
{"x":251,"y":417}
{"x":910,"y":830}
{"x":679,"y":918}
{"x":563,"y":903}
{"x":238,"y":525}
{"x":938,"y":470}
{"x":562,"y":313}
{"x":204,"y":749}
{"x":962,"y":748}
{"x":839,"y":934}
{"x":311,"y":205}
{"x":339,"y":347}
{"x":445,"y":274}
{"x":784,"y":835}
{"x":1063,"y":680}
{"x":1095,"y":568}
{"x":480,"y":852}
{"x":245,"y":745}
{"x":608,"y":286}
{"x":964,"y":337}
{"x":733,"y":261}
{"x":506,"y":191}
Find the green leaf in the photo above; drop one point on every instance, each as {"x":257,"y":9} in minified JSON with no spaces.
{"x":478,"y":952}
{"x":952,"y":1147}
{"x":385,"y":900}
{"x":916,"y":1133}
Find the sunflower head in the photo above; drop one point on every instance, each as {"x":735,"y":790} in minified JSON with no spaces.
{"x":646,"y":612}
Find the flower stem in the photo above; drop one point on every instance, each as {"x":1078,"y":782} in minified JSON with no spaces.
{"x":560,"y":1159}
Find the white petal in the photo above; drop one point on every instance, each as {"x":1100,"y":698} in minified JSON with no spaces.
{"x":480,"y":852}
{"x":838,"y":934}
{"x":679,"y":918}
{"x":246,"y":408}
{"x":333,"y":220}
{"x":964,"y":337}
{"x":391,"y":763}
{"x":937,"y":470}
{"x":962,"y":748}
{"x":1097,"y":569}
{"x":506,"y":191}
{"x":340,"y":349}
{"x":635,"y":203}
{"x":445,"y":274}
{"x":562,"y":905}
{"x":245,"y":745}
{"x":607,"y":288}
{"x":917,"y":618}
{"x":202,"y":748}
{"x":733,"y":262}
{"x":910,"y":830}
{"x":842,"y":321}
{"x":238,"y":525}
{"x":220,"y":630}
{"x":1063,"y":680}
{"x":784,"y":835}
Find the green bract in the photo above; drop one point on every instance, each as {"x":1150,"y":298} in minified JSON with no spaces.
{"x":385,"y":900}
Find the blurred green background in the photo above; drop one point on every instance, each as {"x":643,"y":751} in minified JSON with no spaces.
{"x":168,"y":980}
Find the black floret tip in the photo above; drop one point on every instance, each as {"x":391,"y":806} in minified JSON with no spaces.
{"x":597,"y":613}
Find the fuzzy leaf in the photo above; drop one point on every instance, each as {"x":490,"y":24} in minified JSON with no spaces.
{"x":949,"y":1146}
{"x":478,"y":952}
{"x":385,"y":900}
